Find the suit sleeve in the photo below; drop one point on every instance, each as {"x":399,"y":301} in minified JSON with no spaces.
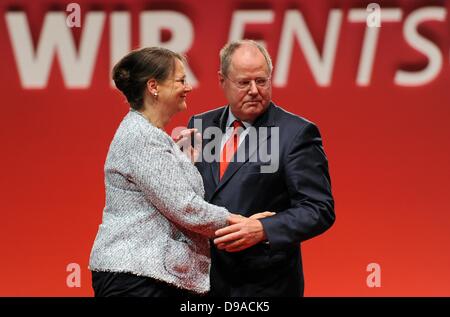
{"x":157,"y":172}
{"x":191,"y":123}
{"x":308,"y":182}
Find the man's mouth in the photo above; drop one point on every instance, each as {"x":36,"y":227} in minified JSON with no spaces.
{"x":252,"y":101}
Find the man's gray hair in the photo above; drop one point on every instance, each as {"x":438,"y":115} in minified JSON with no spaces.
{"x":227,"y":52}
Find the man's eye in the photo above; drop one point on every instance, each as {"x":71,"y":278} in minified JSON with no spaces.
{"x":244,"y":82}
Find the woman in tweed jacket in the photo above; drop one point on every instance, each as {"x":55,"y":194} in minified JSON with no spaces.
{"x":153,"y":240}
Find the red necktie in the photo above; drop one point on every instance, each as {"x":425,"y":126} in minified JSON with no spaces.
{"x":229,"y":148}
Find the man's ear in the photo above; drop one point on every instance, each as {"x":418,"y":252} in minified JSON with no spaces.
{"x":221,"y":78}
{"x":152,"y":87}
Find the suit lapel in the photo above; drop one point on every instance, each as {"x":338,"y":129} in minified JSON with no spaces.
{"x":248,"y":147}
{"x":220,"y":122}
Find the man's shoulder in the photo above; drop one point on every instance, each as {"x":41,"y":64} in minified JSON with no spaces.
{"x":285,"y":117}
{"x":210,"y":114}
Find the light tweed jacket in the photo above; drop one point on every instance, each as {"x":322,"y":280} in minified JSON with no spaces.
{"x":155,"y":221}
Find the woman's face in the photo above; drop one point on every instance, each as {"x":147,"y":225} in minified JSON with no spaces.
{"x":173,"y":91}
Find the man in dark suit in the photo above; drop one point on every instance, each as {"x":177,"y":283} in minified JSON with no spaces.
{"x":280,"y":166}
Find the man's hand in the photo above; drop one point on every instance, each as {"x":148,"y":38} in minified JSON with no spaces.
{"x":263,"y":214}
{"x":242,"y":233}
{"x":185,"y":144}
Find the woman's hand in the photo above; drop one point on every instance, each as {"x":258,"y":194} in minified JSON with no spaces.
{"x":184,"y":141}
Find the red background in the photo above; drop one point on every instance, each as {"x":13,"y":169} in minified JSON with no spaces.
{"x":387,"y":146}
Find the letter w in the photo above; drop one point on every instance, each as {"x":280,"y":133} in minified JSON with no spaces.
{"x":55,"y":39}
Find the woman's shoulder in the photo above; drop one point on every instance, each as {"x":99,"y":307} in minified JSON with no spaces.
{"x":135,"y":129}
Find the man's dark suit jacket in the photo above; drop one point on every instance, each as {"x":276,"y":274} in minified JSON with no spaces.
{"x":299,"y":191}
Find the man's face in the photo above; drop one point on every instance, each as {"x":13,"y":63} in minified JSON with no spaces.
{"x":247,"y":85}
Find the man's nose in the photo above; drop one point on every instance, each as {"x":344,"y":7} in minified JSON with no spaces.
{"x":253,"y":89}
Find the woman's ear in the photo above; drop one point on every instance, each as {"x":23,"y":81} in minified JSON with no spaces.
{"x":152,"y":87}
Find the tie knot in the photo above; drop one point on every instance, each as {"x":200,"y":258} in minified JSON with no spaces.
{"x":237,"y":124}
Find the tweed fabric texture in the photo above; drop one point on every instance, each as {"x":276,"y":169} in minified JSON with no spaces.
{"x":155,"y":222}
